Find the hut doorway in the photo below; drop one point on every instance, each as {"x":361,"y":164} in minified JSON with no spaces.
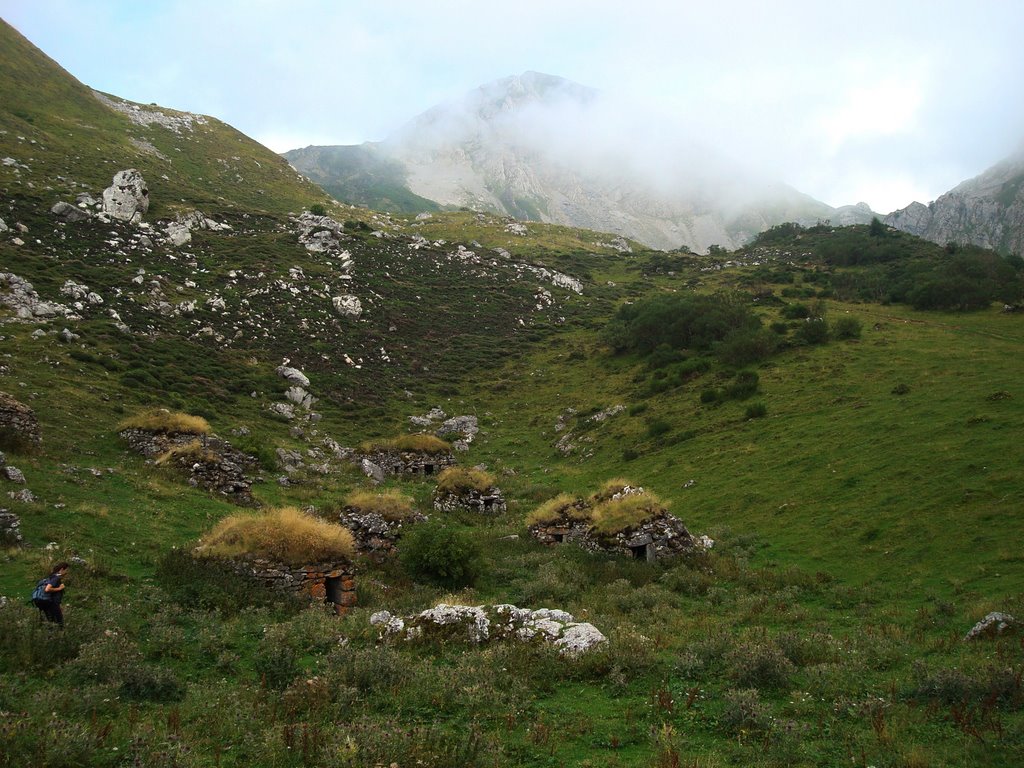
{"x":643,"y":551}
{"x":332,"y":585}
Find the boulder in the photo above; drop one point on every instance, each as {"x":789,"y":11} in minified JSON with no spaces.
{"x":127,"y":199}
{"x":18,"y":295}
{"x":10,"y":528}
{"x":18,"y":422}
{"x":995,"y":623}
{"x":372,"y":471}
{"x":347,"y":306}
{"x":178,"y":234}
{"x":14,"y":474}
{"x":69,"y":213}
{"x":293,"y":376}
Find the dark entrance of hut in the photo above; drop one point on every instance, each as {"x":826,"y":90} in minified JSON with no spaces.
{"x":643,"y":551}
{"x":428,"y":469}
{"x":332,"y":585}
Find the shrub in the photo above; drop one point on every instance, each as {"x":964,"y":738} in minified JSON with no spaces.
{"x":440,"y":554}
{"x":901,"y":389}
{"x":796,"y":311}
{"x":407,"y":443}
{"x":563,"y":505}
{"x":390,"y":505}
{"x":759,"y":665}
{"x":747,"y":347}
{"x":709,"y":395}
{"x":743,"y":386}
{"x":658,"y":427}
{"x":617,"y":515}
{"x":165,"y":421}
{"x":812,"y":331}
{"x":285,"y":534}
{"x":756,"y":411}
{"x":744,"y":711}
{"x":637,"y":408}
{"x":317,"y":209}
{"x":461,"y":480}
{"x":846,"y":327}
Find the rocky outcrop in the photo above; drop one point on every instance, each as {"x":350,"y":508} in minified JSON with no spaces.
{"x":347,"y":306}
{"x":10,"y":529}
{"x":18,"y":295}
{"x":127,"y":199}
{"x":18,"y":423}
{"x":69,"y":213}
{"x":987,"y":210}
{"x":293,"y":376}
{"x":477,"y":624}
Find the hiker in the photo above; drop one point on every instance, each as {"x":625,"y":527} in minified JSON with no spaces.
{"x":49,"y":592}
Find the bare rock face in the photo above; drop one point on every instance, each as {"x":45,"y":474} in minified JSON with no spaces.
{"x":127,"y":199}
{"x":18,"y":423}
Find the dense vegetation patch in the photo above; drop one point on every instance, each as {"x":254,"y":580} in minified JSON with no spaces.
{"x":286,"y":534}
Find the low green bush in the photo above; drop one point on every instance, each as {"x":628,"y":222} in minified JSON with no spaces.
{"x":440,"y":554}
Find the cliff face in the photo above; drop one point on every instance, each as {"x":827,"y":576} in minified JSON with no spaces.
{"x":542,"y":148}
{"x":987,"y":210}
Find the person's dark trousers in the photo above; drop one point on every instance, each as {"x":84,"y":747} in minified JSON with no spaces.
{"x":51,"y":611}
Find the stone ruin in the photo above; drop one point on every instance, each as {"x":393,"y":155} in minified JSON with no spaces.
{"x":660,"y":535}
{"x":209,"y":461}
{"x":374,"y":535}
{"x":18,"y":423}
{"x":478,"y":624}
{"x":415,"y":463}
{"x":332,"y":582}
{"x":489,"y":502}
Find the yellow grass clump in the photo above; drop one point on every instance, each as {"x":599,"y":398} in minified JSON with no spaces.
{"x":460,"y":480}
{"x":285,"y":534}
{"x":564,"y":505}
{"x":191,"y":452}
{"x":611,"y":487}
{"x":614,"y":516}
{"x":391,"y":505}
{"x":407,"y":444}
{"x":169,"y":422}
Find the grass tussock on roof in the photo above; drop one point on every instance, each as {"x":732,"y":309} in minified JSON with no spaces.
{"x":618,"y":515}
{"x":406,"y":444}
{"x":392,"y":505}
{"x":192,"y":452}
{"x":168,"y":422}
{"x":460,"y":480}
{"x":563,"y":506}
{"x":285,"y":534}
{"x":610,"y":488}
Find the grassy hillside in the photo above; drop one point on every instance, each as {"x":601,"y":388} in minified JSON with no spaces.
{"x":859,"y":479}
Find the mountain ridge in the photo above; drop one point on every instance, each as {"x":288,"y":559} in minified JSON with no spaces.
{"x":543,"y":148}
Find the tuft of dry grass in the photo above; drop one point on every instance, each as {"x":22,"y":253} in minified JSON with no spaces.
{"x":460,"y":480}
{"x":611,"y":487}
{"x":564,"y":505}
{"x":391,"y":505}
{"x":191,"y":452}
{"x":617,"y":515}
{"x":165,"y":421}
{"x":407,"y":444}
{"x":285,"y":534}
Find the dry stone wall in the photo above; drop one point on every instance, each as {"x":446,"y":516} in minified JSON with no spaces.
{"x":332,"y":582}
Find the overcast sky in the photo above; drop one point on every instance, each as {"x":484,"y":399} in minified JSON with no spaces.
{"x":885,"y":102}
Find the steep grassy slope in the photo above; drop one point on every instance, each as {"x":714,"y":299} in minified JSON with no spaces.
{"x":72,"y":141}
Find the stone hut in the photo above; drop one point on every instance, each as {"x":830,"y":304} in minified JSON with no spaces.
{"x":377,"y":520}
{"x":471,"y":490}
{"x":330,"y":582}
{"x":621,"y":518}
{"x":416,"y":455}
{"x":210,"y":462}
{"x":18,"y":424}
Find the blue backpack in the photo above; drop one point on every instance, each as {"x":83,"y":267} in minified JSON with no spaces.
{"x":40,"y":593}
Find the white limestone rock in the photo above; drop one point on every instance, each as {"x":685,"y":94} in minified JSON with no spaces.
{"x":178,"y":234}
{"x":127,"y":199}
{"x":69,"y":213}
{"x":348,"y":306}
{"x":293,"y":376}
